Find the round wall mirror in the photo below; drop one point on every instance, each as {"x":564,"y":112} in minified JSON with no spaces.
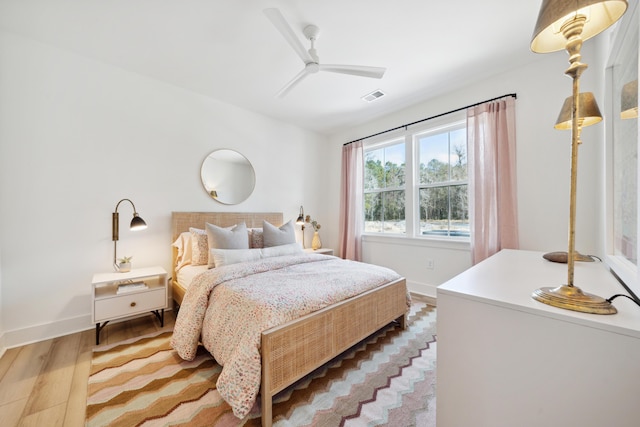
{"x":227,"y":176}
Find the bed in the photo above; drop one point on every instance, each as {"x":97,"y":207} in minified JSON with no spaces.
{"x":291,"y":350}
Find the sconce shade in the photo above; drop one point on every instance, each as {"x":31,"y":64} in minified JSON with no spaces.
{"x":137,"y":223}
{"x":547,"y":35}
{"x":629,"y":100}
{"x":589,"y":112}
{"x":300,"y":220}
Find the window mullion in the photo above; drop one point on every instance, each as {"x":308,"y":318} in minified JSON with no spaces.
{"x":409,"y":184}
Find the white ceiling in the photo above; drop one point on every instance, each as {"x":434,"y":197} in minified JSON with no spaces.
{"x":230,"y":51}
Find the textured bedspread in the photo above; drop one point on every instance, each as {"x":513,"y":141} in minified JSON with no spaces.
{"x":256,"y":296}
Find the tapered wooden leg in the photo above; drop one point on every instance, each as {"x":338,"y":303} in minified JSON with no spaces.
{"x":267,"y":414}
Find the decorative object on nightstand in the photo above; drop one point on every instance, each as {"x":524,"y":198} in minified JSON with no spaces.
{"x":565,"y":24}
{"x":119,"y":295}
{"x":316,"y":243}
{"x":137,"y":223}
{"x":124,"y":264}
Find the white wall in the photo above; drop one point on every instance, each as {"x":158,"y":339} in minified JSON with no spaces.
{"x":76,"y":136}
{"x":543,"y":160}
{"x":2,"y":343}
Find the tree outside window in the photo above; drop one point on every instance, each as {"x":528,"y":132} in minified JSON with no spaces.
{"x":442,"y":183}
{"x":384,"y":189}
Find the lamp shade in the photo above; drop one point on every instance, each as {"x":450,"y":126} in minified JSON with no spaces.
{"x":588,"y":112}
{"x":300,"y":220}
{"x":599,"y":14}
{"x":629,"y":100}
{"x":137,"y":223}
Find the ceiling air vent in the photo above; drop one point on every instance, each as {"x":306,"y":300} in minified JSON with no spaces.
{"x":376,"y":94}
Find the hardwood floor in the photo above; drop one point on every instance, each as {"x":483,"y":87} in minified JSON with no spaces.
{"x":45,"y":383}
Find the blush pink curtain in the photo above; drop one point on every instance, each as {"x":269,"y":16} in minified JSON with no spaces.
{"x":351,"y":201}
{"x":493,"y":211}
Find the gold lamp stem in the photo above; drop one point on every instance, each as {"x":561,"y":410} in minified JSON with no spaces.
{"x":575,"y":132}
{"x":572,"y":31}
{"x":569,"y":296}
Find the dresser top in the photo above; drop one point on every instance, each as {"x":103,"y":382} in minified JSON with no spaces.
{"x":508,"y":278}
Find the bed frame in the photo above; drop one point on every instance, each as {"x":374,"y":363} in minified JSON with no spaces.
{"x":294,"y":349}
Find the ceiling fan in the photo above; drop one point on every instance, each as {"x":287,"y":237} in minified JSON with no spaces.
{"x":310,"y":58}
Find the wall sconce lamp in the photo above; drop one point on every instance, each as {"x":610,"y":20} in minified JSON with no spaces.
{"x":137,"y":223}
{"x":300,"y":221}
{"x":565,"y":24}
{"x":629,"y":101}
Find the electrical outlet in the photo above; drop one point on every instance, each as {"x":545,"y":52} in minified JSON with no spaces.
{"x":430,"y":264}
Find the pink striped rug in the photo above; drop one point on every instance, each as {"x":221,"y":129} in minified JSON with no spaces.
{"x":388,"y":379}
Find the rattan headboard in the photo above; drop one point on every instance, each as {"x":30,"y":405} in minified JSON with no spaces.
{"x":181,"y":221}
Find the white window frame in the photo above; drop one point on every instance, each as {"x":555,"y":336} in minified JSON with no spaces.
{"x":410,"y":136}
{"x":431,"y":130}
{"x":387,"y":142}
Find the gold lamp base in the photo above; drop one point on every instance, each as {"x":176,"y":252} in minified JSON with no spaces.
{"x":572,"y":298}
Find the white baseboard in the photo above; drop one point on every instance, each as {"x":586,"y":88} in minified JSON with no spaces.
{"x":45,"y":331}
{"x":3,"y":345}
{"x":422,"y":289}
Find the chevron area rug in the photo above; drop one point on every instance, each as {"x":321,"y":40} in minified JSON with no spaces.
{"x":388,"y":379}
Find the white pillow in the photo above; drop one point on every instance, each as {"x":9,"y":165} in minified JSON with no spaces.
{"x":276,"y":236}
{"x":183,"y":244}
{"x":236,"y":237}
{"x":223,"y":257}
{"x":234,"y":256}
{"x":290,"y":249}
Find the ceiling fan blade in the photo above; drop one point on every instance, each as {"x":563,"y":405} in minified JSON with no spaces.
{"x":355,"y":70}
{"x":276,"y":18}
{"x":297,"y":79}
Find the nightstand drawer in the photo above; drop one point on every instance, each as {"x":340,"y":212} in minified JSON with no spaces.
{"x":126,"y":305}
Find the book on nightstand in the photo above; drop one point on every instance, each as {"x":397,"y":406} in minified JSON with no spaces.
{"x":130,"y":287}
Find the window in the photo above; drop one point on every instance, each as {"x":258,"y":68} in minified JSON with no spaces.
{"x":442,"y":182}
{"x":384,"y":189}
{"x":417,"y":184}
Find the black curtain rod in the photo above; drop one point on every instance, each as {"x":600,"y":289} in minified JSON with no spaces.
{"x":430,"y":118}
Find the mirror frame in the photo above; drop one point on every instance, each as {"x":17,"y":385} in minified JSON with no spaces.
{"x":622,"y":67}
{"x":227,"y":176}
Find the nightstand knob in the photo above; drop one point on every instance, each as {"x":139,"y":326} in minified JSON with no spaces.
{"x":133,"y":304}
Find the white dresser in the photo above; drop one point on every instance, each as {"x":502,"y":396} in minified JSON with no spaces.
{"x":505,"y":359}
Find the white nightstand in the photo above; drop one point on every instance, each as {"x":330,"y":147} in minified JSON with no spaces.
{"x":147,"y":293}
{"x":323,"y":251}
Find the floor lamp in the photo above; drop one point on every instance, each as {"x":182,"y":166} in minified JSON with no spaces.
{"x":565,"y":24}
